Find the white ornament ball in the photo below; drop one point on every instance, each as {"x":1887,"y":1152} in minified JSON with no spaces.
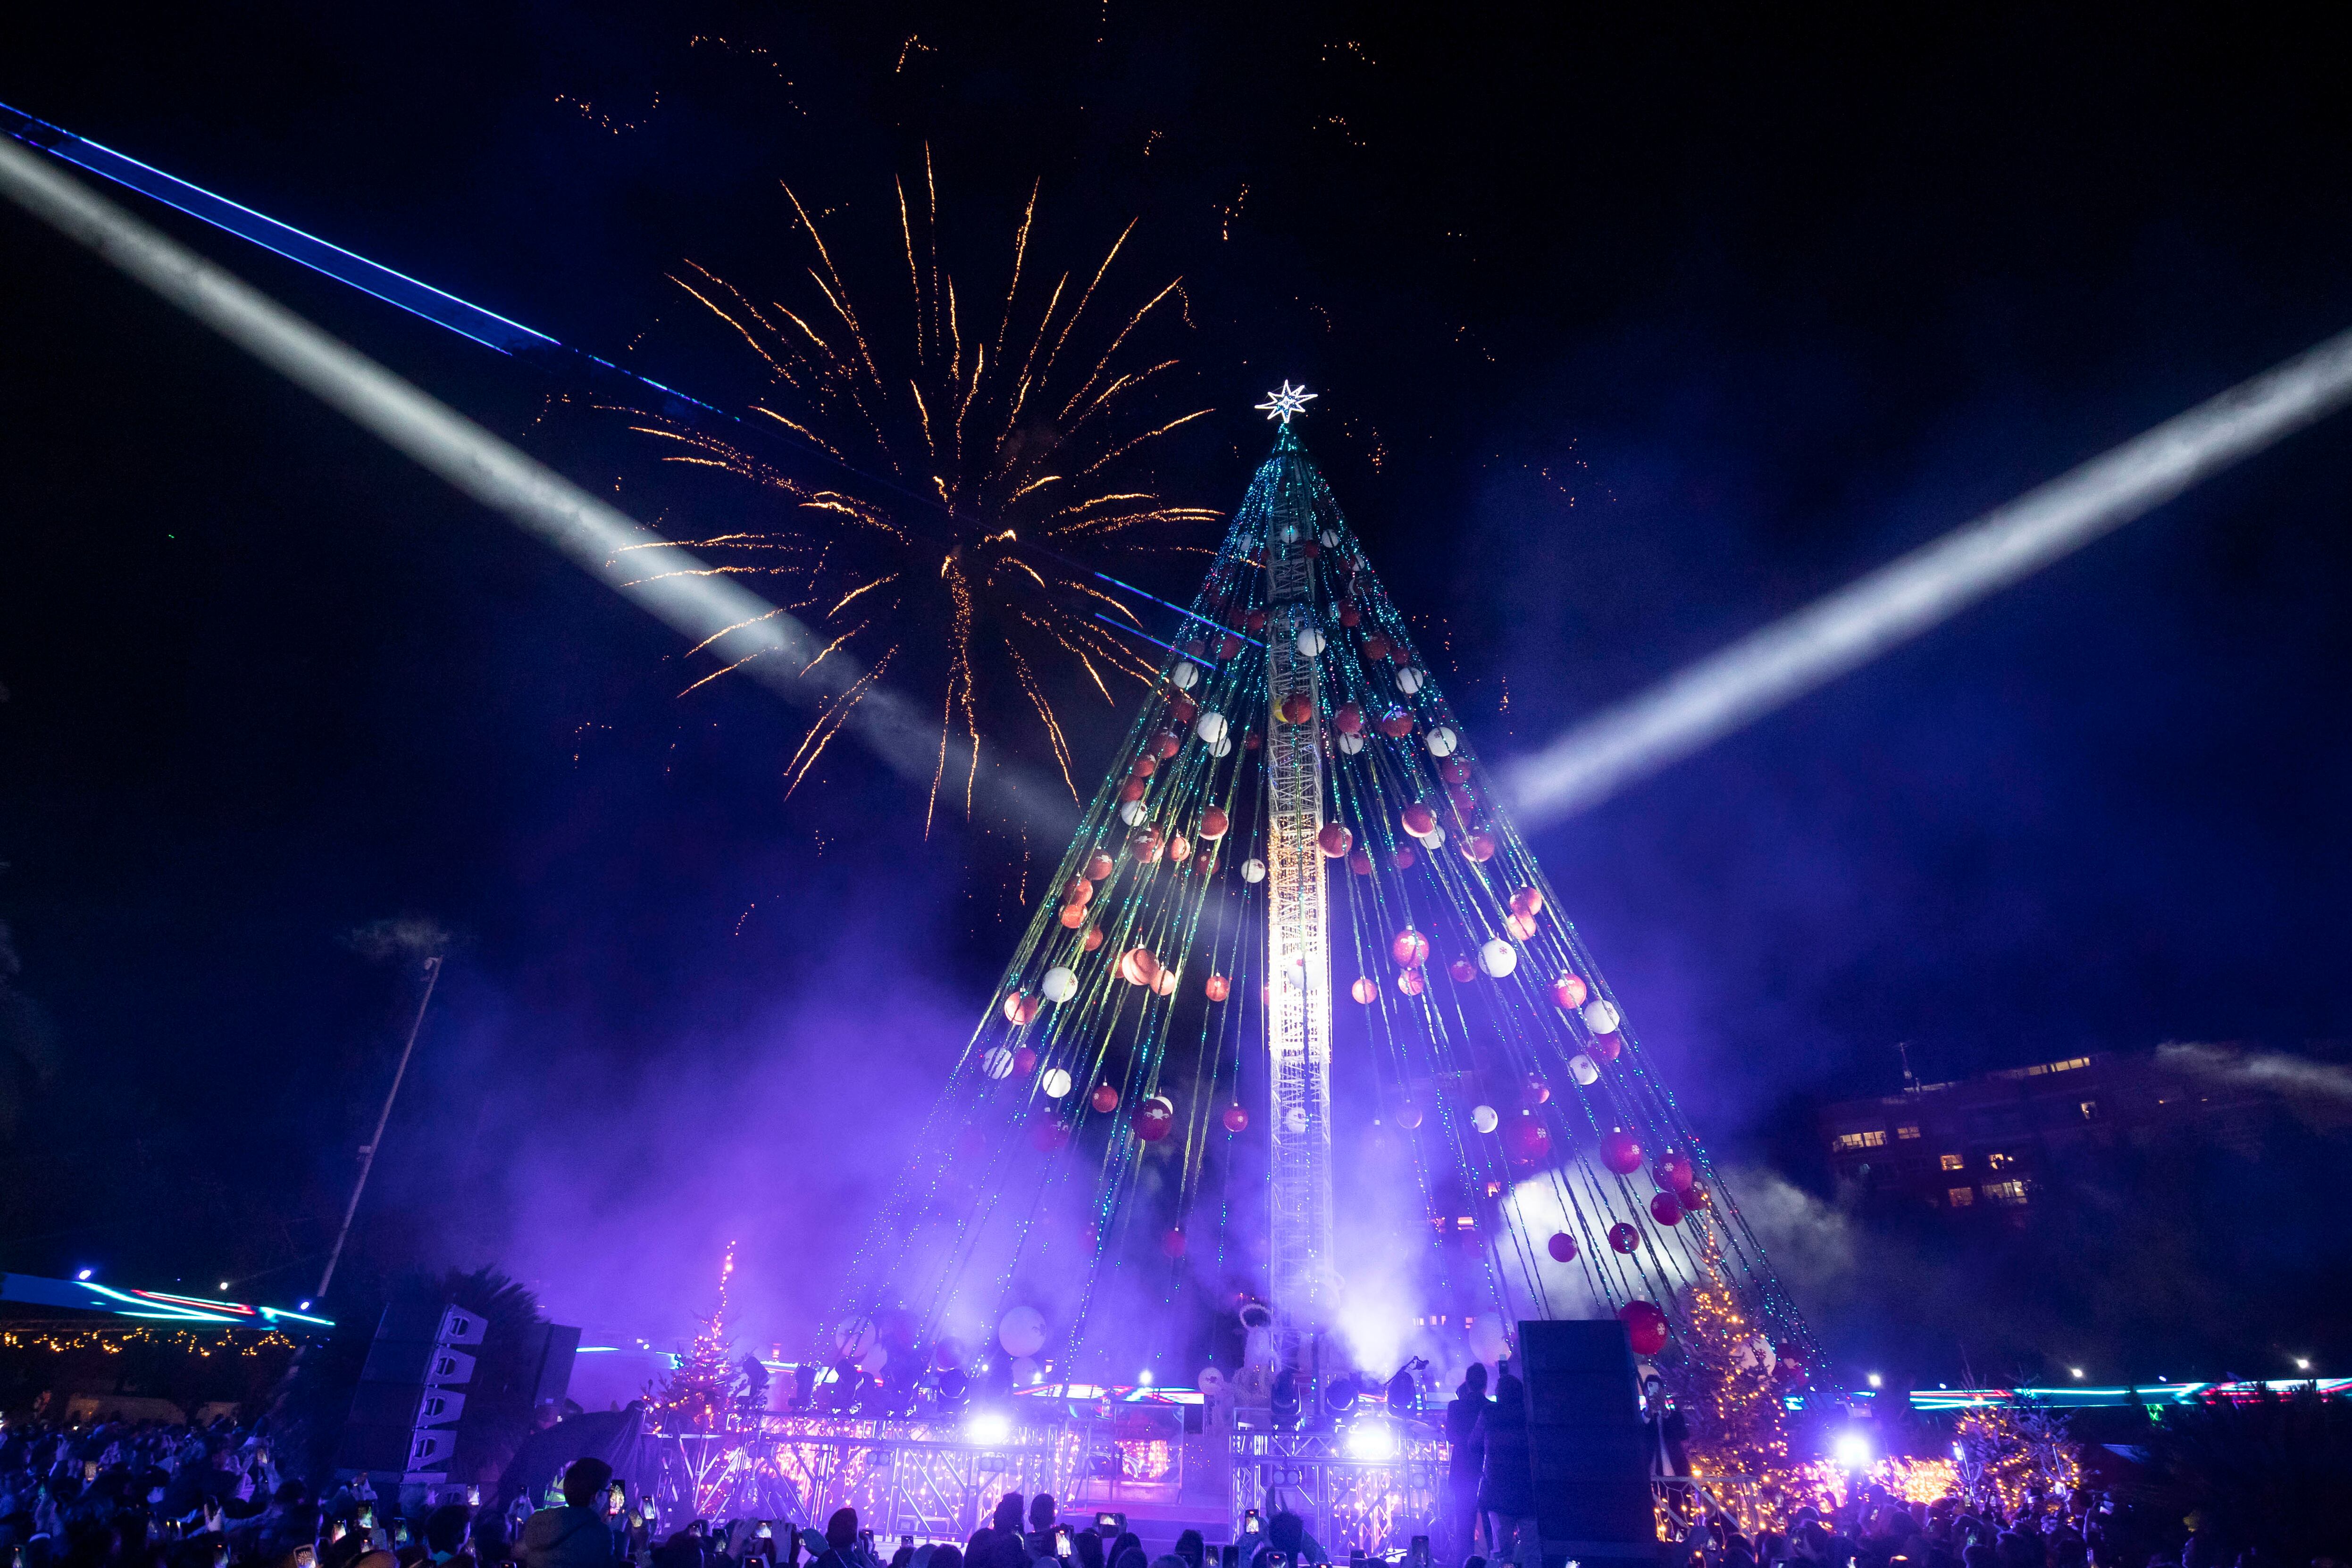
{"x":1026,"y":1373}
{"x":1350,"y":744}
{"x":1054,"y":1082}
{"x":854,"y":1338}
{"x":1499,"y":957}
{"x":1310,"y":642}
{"x":1132,"y":812}
{"x":1059,"y":985}
{"x":1601,"y":1016}
{"x":1252,"y":870}
{"x":1584,"y":1070}
{"x":1435,"y":837}
{"x":1410,"y":680}
{"x":1185,"y":673}
{"x":997,"y":1062}
{"x":1331,"y":538}
{"x":1442,"y":741}
{"x":1021,"y":1331}
{"x":1483,"y":1117}
{"x":1294,"y":1120}
{"x":1223,"y":747}
{"x":1210,"y":726}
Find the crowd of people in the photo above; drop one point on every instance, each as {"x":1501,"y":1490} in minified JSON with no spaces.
{"x":153,"y":1496}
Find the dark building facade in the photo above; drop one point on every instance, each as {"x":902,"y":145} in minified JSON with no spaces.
{"x":1986,"y":1143}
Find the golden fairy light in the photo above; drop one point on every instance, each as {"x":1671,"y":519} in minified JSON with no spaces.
{"x":1014,"y":459}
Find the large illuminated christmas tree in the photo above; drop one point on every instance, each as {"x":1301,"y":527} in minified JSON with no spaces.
{"x":1299,"y":1017}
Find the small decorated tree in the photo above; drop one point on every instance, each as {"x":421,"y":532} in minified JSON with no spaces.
{"x":708,"y":1391}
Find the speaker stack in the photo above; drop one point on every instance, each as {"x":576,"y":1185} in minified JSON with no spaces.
{"x":411,"y":1394}
{"x":1589,"y":1445}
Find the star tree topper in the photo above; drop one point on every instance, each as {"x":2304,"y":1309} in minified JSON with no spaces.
{"x":1290,"y":400}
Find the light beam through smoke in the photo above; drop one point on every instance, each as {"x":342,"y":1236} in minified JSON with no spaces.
{"x":1783,"y":661}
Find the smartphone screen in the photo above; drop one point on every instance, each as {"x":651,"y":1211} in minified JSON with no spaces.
{"x":646,"y":1505}
{"x":1062,"y":1542}
{"x":1249,"y":1522}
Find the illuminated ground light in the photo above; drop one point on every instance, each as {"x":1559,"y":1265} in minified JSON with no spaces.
{"x":988,"y":1427}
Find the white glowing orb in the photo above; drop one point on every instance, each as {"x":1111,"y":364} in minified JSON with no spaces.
{"x":1054,"y":1084}
{"x":1252,"y":870}
{"x":1211,"y":726}
{"x":1185,"y":673}
{"x":1498,"y":958}
{"x":1310,"y":642}
{"x":997,"y":1062}
{"x":1601,"y":1016}
{"x":1483,"y":1117}
{"x":1059,"y":984}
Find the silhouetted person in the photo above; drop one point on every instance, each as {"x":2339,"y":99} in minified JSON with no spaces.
{"x":1466,"y":1434}
{"x":1506,"y":1480}
{"x":576,"y":1535}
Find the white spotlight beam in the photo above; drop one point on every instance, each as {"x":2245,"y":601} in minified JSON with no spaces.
{"x":665,"y":582}
{"x":1783,"y":661}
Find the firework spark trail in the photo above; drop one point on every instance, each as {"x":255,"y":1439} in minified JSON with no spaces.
{"x":951,"y":422}
{"x":596,"y":536}
{"x":1846,"y":630}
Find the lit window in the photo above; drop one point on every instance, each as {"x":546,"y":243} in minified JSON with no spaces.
{"x":1465,"y":1223}
{"x":1953,"y":1162}
{"x":1874,"y":1139}
{"x":2071,"y":1064}
{"x":1962,"y":1197}
{"x":2010,"y":1193}
{"x":1494,"y":1190}
{"x":2090,"y":1110}
{"x":1906,"y":1131}
{"x":1998,"y":1162}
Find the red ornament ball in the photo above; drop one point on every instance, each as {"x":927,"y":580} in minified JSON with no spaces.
{"x":1676,"y":1173}
{"x":1410,"y":947}
{"x":1376,"y":647}
{"x":1131,"y":790}
{"x":1397,"y":724}
{"x":1401,"y":857}
{"x":1021,"y":1009}
{"x":1411,"y":982}
{"x":1569,"y":992}
{"x":1665,"y":1209}
{"x":1249,"y":740}
{"x":1235,"y":1119}
{"x":1695,"y":1197}
{"x":1621,"y":1153}
{"x":1077,"y":889}
{"x":1605,"y":1048}
{"x":1219,"y":988}
{"x":1154,"y":1118}
{"x":1167,"y":742}
{"x":1184,"y":710}
{"x":1462,"y":970}
{"x":1479,"y":846}
{"x":1099,"y":868}
{"x":1535,"y":1090}
{"x":1073,"y":915}
{"x":1366,"y":989}
{"x":1562,"y":1247}
{"x":1360,"y":863}
{"x":1229,"y":646}
{"x":1453,"y":770}
{"x":1094,"y":938}
{"x":1255,"y":621}
{"x":1528,"y":1140}
{"x":1419,"y":819}
{"x":1171,"y":1242}
{"x":1527,"y":900}
{"x":1334,"y":840}
{"x":1349,"y":719}
{"x":1624,"y":1238}
{"x":1214,"y":823}
{"x":1522,"y":927}
{"x":1136,"y":967}
{"x":1645,"y":1326}
{"x":1144,"y":767}
{"x":1106,"y":1098}
{"x":1024,"y":1060}
{"x":1350,"y":615}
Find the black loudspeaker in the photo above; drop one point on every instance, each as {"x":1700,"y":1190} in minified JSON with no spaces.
{"x":411,"y":1397}
{"x":1586,"y":1438}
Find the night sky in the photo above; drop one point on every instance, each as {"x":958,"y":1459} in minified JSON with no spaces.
{"x":1630,"y":336}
